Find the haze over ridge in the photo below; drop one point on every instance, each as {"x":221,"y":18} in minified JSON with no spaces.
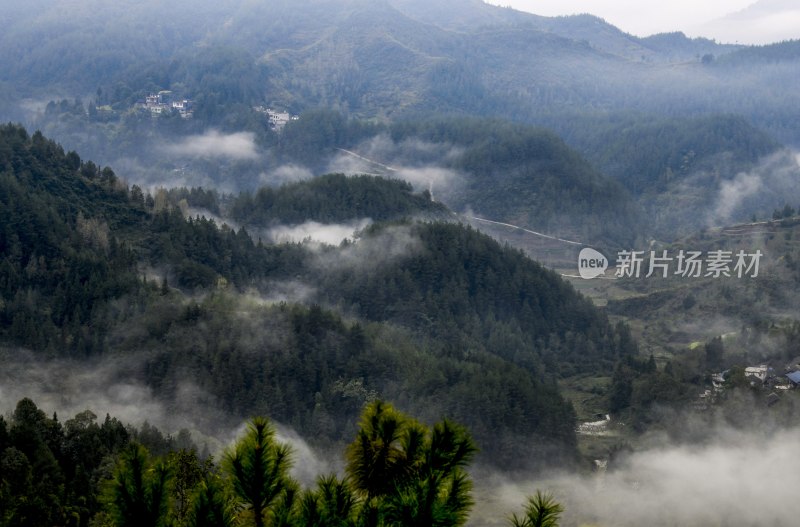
{"x":727,"y":21}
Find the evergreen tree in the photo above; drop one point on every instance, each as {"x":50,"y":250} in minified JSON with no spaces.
{"x":411,"y":475}
{"x":258,"y":467}
{"x":542,"y":511}
{"x":211,"y":505}
{"x":138,"y":494}
{"x":331,"y":504}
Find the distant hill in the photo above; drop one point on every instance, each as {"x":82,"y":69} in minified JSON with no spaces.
{"x":527,"y":176}
{"x":688,"y":173}
{"x":382,"y":59}
{"x":383,"y":62}
{"x":498,"y":169}
{"x":646,"y":155}
{"x":676,"y":47}
{"x":781,"y":52}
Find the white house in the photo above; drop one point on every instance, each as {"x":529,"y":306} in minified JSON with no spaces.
{"x":759,"y":373}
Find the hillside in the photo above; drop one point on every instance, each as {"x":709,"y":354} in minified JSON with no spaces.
{"x":383,"y":59}
{"x":674,"y":120}
{"x":641,"y":152}
{"x":334,"y":198}
{"x":686,"y":173}
{"x":527,"y":176}
{"x":420,"y":313}
{"x":698,"y":113}
{"x":698,"y":325}
{"x":669,"y":308}
{"x":331,"y":210}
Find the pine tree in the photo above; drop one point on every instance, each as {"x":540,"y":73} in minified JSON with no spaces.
{"x":138,"y":493}
{"x":542,"y":511}
{"x":259,"y":470}
{"x":409,"y":474}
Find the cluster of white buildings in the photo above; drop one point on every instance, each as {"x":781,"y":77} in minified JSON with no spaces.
{"x":277,"y":120}
{"x":161,"y":102}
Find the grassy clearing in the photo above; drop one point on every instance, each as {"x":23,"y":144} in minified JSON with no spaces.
{"x":587,"y":394}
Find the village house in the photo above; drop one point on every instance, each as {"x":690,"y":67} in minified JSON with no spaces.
{"x":184,"y":107}
{"x":794,"y":378}
{"x":277,"y":120}
{"x":718,"y":380}
{"x":756,"y":374}
{"x":161,"y":102}
{"x":793,"y":365}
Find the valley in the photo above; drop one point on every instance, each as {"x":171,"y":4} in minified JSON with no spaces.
{"x":383,"y":276}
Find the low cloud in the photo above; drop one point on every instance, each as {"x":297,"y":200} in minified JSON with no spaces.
{"x":106,"y":386}
{"x":293,"y":291}
{"x":69,"y":387}
{"x":409,"y":152}
{"x":774,"y":182}
{"x":732,"y":193}
{"x":421,"y":163}
{"x":435,"y":179}
{"x":370,"y":252}
{"x":307,"y":463}
{"x":285,"y":174}
{"x":151,"y":178}
{"x":761,"y":23}
{"x":331,"y":234}
{"x":741,"y":480}
{"x":237,"y":146}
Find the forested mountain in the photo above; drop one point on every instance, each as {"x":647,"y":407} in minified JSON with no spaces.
{"x":351,"y":68}
{"x":371,"y":133}
{"x":647,"y":155}
{"x":682,"y":172}
{"x":528,"y":176}
{"x":435,"y":316}
{"x":380,"y":59}
{"x":335,"y":198}
{"x":498,"y":169}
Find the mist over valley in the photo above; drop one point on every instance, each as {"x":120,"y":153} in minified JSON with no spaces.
{"x":317,"y":263}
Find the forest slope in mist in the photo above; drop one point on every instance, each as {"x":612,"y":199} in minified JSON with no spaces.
{"x":699,"y":133}
{"x":116,"y":300}
{"x":435,"y":316}
{"x":298,"y":238}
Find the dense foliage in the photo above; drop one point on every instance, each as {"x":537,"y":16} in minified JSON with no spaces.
{"x":399,"y":472}
{"x":461,"y":287}
{"x":73,"y":239}
{"x":333,"y":198}
{"x":58,"y":261}
{"x":52,"y":473}
{"x":650,"y":155}
{"x":529,"y":176}
{"x":452,"y":323}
